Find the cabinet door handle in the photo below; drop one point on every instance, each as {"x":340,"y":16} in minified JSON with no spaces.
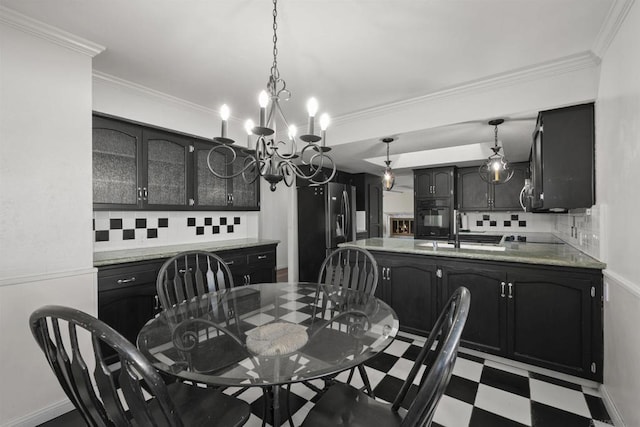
{"x":510,"y":290}
{"x":388,"y":273}
{"x":139,"y":193}
{"x":262,"y":257}
{"x":156,"y":303}
{"x":129,"y":280}
{"x":145,"y":193}
{"x":502,"y":285}
{"x":229,"y":262}
{"x":439,"y":273}
{"x":184,"y":270}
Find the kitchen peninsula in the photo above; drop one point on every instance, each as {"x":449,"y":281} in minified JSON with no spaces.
{"x":537,"y":302}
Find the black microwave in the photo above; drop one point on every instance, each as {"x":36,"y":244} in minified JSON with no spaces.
{"x":433,"y":219}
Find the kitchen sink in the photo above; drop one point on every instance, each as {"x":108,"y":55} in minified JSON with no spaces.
{"x":469,"y":246}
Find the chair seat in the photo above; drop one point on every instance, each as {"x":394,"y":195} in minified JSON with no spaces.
{"x":343,"y":405}
{"x":199,"y":406}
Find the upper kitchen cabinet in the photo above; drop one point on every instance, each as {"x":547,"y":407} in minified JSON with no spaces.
{"x":213,"y":193}
{"x":166,"y":169}
{"x":434,"y":183}
{"x":475,"y":194}
{"x":142,"y":167}
{"x":562,"y":159}
{"x":117,"y":158}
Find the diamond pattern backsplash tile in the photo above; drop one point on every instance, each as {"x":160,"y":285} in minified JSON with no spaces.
{"x":114,"y":230}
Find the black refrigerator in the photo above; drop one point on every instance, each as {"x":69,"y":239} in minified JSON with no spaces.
{"x":326,"y":217}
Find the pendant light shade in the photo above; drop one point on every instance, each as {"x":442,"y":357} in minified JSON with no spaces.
{"x":388,"y":179}
{"x":496,"y":170}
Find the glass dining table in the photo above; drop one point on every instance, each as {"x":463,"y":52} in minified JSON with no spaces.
{"x":268,"y":335}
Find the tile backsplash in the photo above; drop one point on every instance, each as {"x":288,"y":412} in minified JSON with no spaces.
{"x":115,"y":230}
{"x":508,"y":222}
{"x":581,"y":229}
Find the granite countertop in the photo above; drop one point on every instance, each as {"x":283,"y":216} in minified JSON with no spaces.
{"x":541,"y":248}
{"x":143,"y":254}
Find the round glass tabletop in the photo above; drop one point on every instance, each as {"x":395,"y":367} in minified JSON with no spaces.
{"x":268,"y":334}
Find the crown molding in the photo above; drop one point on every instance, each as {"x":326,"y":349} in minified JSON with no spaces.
{"x":612,"y":23}
{"x":48,"y":32}
{"x":147,"y":91}
{"x":571,"y":63}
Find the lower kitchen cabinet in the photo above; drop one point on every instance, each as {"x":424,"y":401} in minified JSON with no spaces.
{"x":554,"y":318}
{"x":547,"y":316}
{"x":409,"y":285}
{"x":127,"y":296}
{"x":486,"y":328}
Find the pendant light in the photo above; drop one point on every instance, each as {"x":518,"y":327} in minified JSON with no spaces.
{"x":388,"y":179}
{"x":496,"y":170}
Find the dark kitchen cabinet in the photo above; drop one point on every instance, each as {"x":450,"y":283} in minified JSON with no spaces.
{"x":167,"y":170}
{"x":434,"y":182}
{"x":409,"y":284}
{"x":214,"y":193}
{"x":553,"y":319}
{"x":549,"y":317}
{"x":486,"y":327}
{"x":474,"y":194}
{"x":137,"y":166}
{"x":562,"y":159}
{"x":127,"y":296}
{"x":253,"y":266}
{"x":369,"y":199}
{"x":117,"y":158}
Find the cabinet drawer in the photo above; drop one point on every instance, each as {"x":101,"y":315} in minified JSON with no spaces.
{"x":234,"y":261}
{"x":262,"y":258}
{"x":123,"y":276}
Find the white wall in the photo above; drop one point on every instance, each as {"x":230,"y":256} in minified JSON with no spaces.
{"x":45,"y":208}
{"x":618,"y":178}
{"x":275,"y":218}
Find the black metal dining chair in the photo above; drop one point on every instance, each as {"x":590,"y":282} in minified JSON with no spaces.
{"x":115,"y":394}
{"x":349,"y":268}
{"x":191,"y":274}
{"x":343,"y":405}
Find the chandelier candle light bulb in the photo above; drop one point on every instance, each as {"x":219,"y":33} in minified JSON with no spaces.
{"x":324,"y":124}
{"x":224,"y":115}
{"x":263,"y":100}
{"x":312,"y":108}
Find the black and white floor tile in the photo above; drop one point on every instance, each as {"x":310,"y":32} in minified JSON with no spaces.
{"x":481,"y":393}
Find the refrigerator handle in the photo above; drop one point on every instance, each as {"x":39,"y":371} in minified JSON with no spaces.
{"x":347,"y":224}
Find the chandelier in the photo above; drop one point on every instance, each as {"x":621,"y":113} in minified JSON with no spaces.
{"x":496,"y":170}
{"x":388,"y":179}
{"x":274,"y":155}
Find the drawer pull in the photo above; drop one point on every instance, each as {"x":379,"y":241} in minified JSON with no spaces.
{"x":184,"y":270}
{"x":262,"y":256}
{"x":129,"y":280}
{"x":229,"y":262}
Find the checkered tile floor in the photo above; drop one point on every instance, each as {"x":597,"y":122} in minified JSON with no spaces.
{"x":481,"y":393}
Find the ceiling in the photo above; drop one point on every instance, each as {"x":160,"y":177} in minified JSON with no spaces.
{"x":353,"y":55}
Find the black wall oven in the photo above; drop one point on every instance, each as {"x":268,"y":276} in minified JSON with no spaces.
{"x":433,"y":218}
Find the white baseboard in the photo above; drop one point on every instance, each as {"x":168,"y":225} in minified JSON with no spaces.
{"x":42,"y":415}
{"x":611,"y":407}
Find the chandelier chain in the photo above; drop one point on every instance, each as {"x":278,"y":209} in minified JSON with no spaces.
{"x":275,"y":73}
